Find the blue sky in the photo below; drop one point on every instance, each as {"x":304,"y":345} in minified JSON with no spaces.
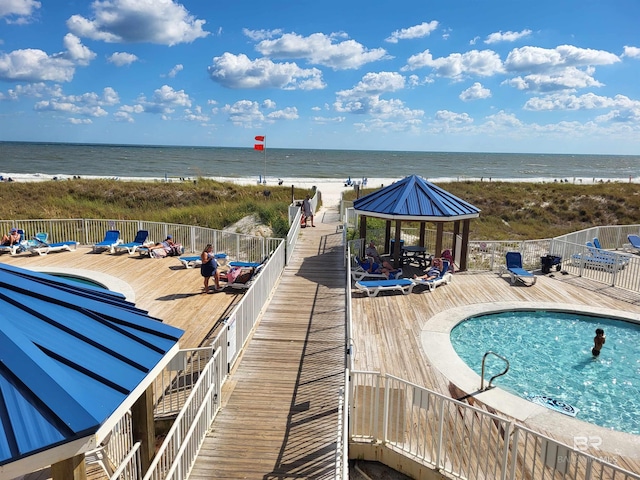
{"x":485,"y":76}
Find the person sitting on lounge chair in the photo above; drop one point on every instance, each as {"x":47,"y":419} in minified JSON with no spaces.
{"x":168,"y":245}
{"x":13,"y":238}
{"x":385,"y":268}
{"x":372,"y":252}
{"x":434,"y":271}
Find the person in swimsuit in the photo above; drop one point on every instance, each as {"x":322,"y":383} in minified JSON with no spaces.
{"x":598,"y":342}
{"x":13,"y":238}
{"x":433,"y":272}
{"x":209,"y":268}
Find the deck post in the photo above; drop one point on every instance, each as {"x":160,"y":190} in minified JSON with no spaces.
{"x":144,"y":427}
{"x":70,"y":469}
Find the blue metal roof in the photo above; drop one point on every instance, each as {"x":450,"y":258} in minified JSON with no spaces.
{"x":414,"y":198}
{"x":70,"y":354}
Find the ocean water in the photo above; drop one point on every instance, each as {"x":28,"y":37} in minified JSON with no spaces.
{"x":33,"y":160}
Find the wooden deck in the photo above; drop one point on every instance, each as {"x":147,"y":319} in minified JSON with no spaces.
{"x":280,"y":412}
{"x":279,"y":416}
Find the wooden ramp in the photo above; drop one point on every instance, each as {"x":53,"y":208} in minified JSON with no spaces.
{"x":280,"y":406}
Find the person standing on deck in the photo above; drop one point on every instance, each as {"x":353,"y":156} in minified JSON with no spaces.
{"x":307,"y":211}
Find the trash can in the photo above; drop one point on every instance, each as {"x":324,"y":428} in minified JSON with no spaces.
{"x":546,"y":263}
{"x":392,"y":244}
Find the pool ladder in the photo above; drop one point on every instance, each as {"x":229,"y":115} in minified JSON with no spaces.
{"x":484,"y":357}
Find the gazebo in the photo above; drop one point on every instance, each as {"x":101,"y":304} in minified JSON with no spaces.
{"x":415,"y":199}
{"x":73,"y":359}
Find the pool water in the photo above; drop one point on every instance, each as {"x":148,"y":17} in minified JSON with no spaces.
{"x":81,"y":280}
{"x":550,"y":354}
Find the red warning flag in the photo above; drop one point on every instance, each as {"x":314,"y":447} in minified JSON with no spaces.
{"x":260,"y":138}
{"x":258,"y":146}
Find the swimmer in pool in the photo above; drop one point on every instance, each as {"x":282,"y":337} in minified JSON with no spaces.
{"x":598,"y":342}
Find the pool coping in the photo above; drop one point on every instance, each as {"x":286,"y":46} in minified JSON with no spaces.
{"x":108,"y":281}
{"x":436,"y":343}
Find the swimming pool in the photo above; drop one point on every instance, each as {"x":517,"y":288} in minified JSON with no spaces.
{"x":550,"y":354}
{"x":81,"y":280}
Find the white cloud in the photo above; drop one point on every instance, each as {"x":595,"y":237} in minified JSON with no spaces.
{"x":506,"y":36}
{"x":60,"y":105}
{"x":325,"y":120}
{"x":631,"y":52}
{"x":270,"y":104}
{"x":32,"y":90}
{"x":162,"y":22}
{"x":475,"y":92}
{"x":36,"y":65}
{"x":238,"y":71}
{"x":120,"y":59}
{"x":174,"y":71}
{"x":536,"y":59}
{"x":87,"y":104}
{"x":484,"y":63}
{"x":448,"y":117}
{"x":587,"y":101}
{"x":564,"y":79}
{"x":165,"y":100}
{"x":289,"y":113}
{"x":417,"y":31}
{"x":364,"y":98}
{"x":21,"y":9}
{"x":195,"y":115}
{"x":320,"y":49}
{"x":80,"y":121}
{"x":244,"y":113}
{"x":257,"y":35}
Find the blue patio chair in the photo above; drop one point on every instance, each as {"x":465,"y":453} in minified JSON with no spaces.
{"x":111,"y":239}
{"x":131,"y":247}
{"x":516,"y":271}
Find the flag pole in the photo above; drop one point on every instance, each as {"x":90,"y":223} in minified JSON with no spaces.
{"x":265,"y":160}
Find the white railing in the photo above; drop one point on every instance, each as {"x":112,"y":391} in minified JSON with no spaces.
{"x":180,"y":447}
{"x":463,"y":441}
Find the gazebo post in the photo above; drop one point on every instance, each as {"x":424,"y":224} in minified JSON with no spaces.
{"x":144,"y":427}
{"x":423,"y":228}
{"x":456,"y":232}
{"x":465,"y":244}
{"x":70,"y":469}
{"x":363,"y":228}
{"x":387,"y":235}
{"x":439,"y":233}
{"x":396,"y":245}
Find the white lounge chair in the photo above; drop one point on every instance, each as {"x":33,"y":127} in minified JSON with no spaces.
{"x":373,"y":287}
{"x":15,"y":248}
{"x":360,"y":271}
{"x":444,"y":278}
{"x":43,"y":248}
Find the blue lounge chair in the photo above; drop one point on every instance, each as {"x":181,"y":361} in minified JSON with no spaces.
{"x":111,"y":239}
{"x":360,"y":271}
{"x":195,"y":260}
{"x":131,"y":247}
{"x":373,"y":287}
{"x":599,"y":259}
{"x":15,"y":248}
{"x":444,"y":278}
{"x":514,"y":268}
{"x":634,"y":243}
{"x":38,"y":246}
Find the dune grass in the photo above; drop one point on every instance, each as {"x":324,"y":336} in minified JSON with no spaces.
{"x":204,"y":202}
{"x":521,"y":211}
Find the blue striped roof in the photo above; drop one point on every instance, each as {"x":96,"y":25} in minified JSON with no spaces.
{"x":414,"y":198}
{"x":70,"y":355}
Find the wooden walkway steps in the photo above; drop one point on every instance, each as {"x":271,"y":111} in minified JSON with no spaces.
{"x":280,"y":406}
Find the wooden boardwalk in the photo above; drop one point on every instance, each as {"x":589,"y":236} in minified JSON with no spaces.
{"x":279,"y":417}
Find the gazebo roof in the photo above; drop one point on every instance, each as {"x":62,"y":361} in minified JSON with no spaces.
{"x":414,"y":198}
{"x":71,"y":356}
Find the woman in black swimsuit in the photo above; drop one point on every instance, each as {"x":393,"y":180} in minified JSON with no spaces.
{"x":209,"y":268}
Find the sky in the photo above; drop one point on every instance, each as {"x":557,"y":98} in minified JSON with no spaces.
{"x":413,"y":75}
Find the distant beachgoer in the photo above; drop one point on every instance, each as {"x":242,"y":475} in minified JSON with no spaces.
{"x":307,"y":211}
{"x":209,"y":268}
{"x":598,"y":342}
{"x":12,"y":238}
